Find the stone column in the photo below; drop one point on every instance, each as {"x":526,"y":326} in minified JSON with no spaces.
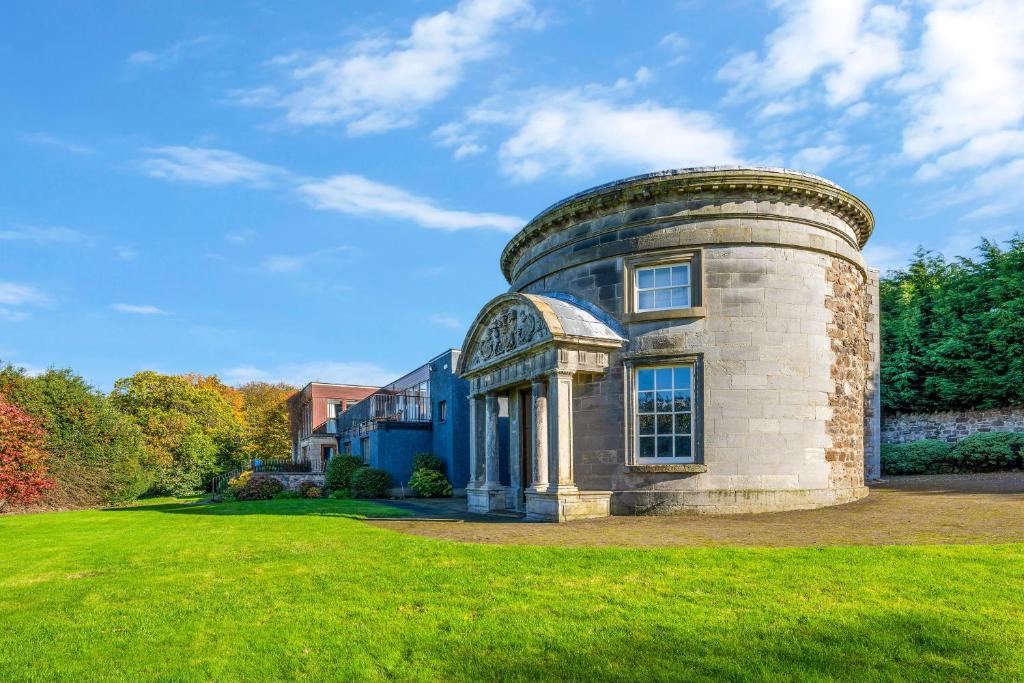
{"x":539,"y":410}
{"x":476,"y":441}
{"x":515,"y":454}
{"x":560,"y":431}
{"x":491,"y":453}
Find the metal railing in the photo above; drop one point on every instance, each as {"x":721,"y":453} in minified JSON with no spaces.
{"x":220,"y":482}
{"x":405,"y":406}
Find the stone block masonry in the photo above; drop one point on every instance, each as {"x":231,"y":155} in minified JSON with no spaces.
{"x":951,"y":426}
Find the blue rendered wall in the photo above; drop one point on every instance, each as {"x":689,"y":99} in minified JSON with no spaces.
{"x":450,"y":438}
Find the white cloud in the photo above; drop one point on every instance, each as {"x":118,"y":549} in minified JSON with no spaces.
{"x":850,"y":44}
{"x":380,"y":84}
{"x":981,"y":151}
{"x":138,"y":309}
{"x":161,"y":59}
{"x":206,"y":166}
{"x":967,"y":88}
{"x":355,"y":195}
{"x":643,"y":76}
{"x":677,"y":46}
{"x":280,"y":263}
{"x":888,"y":256}
{"x":448,"y":321}
{"x":240,"y":236}
{"x":999,"y":188}
{"x":44,"y":237}
{"x":125,"y":254}
{"x":299,"y":374}
{"x":52,"y":141}
{"x":16,"y":294}
{"x":952,"y":245}
{"x":290,"y":263}
{"x":816,"y":159}
{"x":583,"y":130}
{"x":455,"y":136}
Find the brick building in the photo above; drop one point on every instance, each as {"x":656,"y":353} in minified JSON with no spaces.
{"x":314,"y":411}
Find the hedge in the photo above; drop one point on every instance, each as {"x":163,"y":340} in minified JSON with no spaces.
{"x":928,"y":456}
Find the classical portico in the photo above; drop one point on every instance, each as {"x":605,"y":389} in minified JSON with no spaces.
{"x":527,"y":349}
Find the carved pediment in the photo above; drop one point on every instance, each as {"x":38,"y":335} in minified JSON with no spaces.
{"x":508,"y":328}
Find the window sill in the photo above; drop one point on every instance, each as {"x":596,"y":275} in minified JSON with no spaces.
{"x":668,"y":314}
{"x":678,"y":467}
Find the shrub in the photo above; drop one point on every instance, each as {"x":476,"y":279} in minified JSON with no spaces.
{"x":370,"y":482}
{"x":927,"y":456}
{"x":308,"y":489}
{"x":259,"y":487}
{"x":989,"y":451}
{"x":287,"y":495}
{"x":22,"y":472}
{"x":427,"y":461}
{"x":430,"y":484}
{"x":239,"y":481}
{"x":340,"y":470}
{"x":341,"y":494}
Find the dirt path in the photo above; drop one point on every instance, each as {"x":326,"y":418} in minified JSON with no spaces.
{"x":983,"y":508}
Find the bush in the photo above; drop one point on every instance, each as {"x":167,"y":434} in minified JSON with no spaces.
{"x":340,"y":470}
{"x":308,"y":489}
{"x":427,"y":461}
{"x":287,"y":495}
{"x":989,"y":451}
{"x":927,"y":456}
{"x":370,"y":482}
{"x":259,"y":487}
{"x":341,"y":494}
{"x":22,"y":472}
{"x":239,"y":481}
{"x":430,"y":484}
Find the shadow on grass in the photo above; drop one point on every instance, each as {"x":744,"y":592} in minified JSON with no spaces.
{"x":995,"y":483}
{"x":349,"y":509}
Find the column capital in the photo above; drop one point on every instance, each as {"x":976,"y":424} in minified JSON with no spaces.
{"x":560,"y":373}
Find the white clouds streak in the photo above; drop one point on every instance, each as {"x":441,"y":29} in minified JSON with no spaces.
{"x":355,"y":195}
{"x":577,"y":132}
{"x":206,"y":166}
{"x":44,"y":236}
{"x":378,"y":85}
{"x":136,"y":309}
{"x":968,"y":84}
{"x":850,"y":44}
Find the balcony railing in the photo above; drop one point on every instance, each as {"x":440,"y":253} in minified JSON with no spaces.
{"x":408,"y":406}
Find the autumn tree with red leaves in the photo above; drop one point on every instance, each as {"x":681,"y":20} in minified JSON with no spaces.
{"x":22,"y":472}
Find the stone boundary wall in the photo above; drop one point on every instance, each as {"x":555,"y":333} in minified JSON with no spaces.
{"x":950,"y":426}
{"x":292,"y":480}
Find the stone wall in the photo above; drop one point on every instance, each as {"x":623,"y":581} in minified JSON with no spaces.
{"x":849,"y":372}
{"x":292,"y":480}
{"x":950,"y":426}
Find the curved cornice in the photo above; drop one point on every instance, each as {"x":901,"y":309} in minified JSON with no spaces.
{"x":777,"y":183}
{"x":560,"y":316}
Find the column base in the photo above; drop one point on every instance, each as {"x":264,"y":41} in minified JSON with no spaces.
{"x":483,"y":499}
{"x":564,"y":504}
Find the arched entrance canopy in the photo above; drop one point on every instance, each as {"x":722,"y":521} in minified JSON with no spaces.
{"x":527,"y":348}
{"x":527,"y":330}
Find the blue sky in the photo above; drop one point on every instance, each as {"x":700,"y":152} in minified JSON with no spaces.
{"x":321,"y":190}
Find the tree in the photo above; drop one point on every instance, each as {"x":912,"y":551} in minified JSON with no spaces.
{"x":267,"y":432}
{"x":22,"y":472}
{"x":94,"y":453}
{"x":953,"y":332}
{"x":188,"y":424}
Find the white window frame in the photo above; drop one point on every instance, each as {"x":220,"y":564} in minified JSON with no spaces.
{"x":638,"y":290}
{"x":690,"y":368}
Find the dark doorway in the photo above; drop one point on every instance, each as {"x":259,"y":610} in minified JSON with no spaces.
{"x":525,"y":446}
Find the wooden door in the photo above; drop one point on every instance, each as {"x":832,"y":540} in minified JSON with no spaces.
{"x":526,"y":443}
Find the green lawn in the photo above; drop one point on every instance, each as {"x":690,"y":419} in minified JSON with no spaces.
{"x":303,"y":589}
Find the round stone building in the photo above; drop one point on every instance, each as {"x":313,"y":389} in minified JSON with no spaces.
{"x":690,"y":340}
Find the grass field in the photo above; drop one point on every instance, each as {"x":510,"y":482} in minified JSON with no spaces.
{"x":305,"y":590}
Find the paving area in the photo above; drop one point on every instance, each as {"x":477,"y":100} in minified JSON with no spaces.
{"x":977,"y":508}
